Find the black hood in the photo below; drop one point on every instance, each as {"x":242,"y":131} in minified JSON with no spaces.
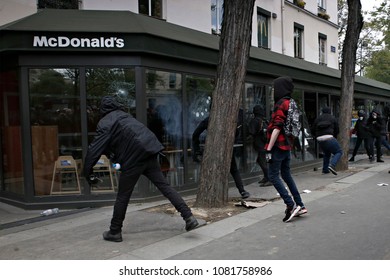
{"x":258,"y":110}
{"x":109,"y":104}
{"x":361,"y":113}
{"x":326,"y":110}
{"x":283,"y":86}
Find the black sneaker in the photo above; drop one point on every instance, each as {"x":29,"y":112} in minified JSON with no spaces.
{"x":380,"y":160}
{"x":263,"y":181}
{"x":245,"y":194}
{"x":352,"y":159}
{"x":291,"y":212}
{"x":191,"y":223}
{"x":107,"y":235}
{"x":266,"y":184}
{"x":331,"y":169}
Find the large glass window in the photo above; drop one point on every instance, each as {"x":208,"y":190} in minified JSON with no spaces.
{"x":100,"y":82}
{"x":199,"y":91}
{"x":55,"y":130}
{"x":298,"y":40}
{"x":11,"y":164}
{"x":216,"y":16}
{"x":151,"y":8}
{"x":255,"y":94}
{"x":165,"y":119}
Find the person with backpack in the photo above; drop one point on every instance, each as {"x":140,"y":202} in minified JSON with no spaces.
{"x":326,"y":129}
{"x":362,"y":134}
{"x":278,"y":148}
{"x":258,"y":129}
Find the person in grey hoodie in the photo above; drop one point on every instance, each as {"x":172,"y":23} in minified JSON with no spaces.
{"x":131,"y":144}
{"x":326,"y":129}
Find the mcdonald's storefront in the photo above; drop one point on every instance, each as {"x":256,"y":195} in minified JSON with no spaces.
{"x":56,"y":65}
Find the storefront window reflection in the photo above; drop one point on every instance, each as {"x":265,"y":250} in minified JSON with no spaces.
{"x":199,"y":91}
{"x":55,"y":130}
{"x":100,"y":82}
{"x":11,"y":179}
{"x":164,"y":118}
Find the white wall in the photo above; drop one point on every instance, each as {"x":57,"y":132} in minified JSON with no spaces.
{"x":11,"y":10}
{"x":192,"y":14}
{"x":121,"y":5}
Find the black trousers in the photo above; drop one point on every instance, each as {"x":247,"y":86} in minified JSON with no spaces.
{"x":236,"y":175}
{"x":359,"y":141}
{"x":261,"y":160}
{"x":378,"y":145}
{"x":128,"y":178}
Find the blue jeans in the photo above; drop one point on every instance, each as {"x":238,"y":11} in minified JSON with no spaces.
{"x":330,"y":147}
{"x":281,"y":164}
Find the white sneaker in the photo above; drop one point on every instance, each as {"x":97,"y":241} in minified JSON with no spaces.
{"x":302,"y":211}
{"x":291,"y":213}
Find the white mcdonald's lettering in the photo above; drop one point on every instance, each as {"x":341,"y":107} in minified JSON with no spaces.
{"x":64,"y":42}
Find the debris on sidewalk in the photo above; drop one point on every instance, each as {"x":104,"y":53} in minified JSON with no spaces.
{"x":382,"y":184}
{"x":307,"y":191}
{"x":252,"y":204}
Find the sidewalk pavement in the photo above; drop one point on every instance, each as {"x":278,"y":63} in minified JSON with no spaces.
{"x":76,"y":235}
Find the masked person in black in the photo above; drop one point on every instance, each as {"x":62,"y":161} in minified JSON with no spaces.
{"x":375,"y":125}
{"x":362,"y":134}
{"x":233,"y":165}
{"x":258,"y":129}
{"x":326,"y":129}
{"x":132,"y":145}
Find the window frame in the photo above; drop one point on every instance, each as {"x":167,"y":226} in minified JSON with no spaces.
{"x":267,"y":16}
{"x":322,"y":46}
{"x":298,"y":40}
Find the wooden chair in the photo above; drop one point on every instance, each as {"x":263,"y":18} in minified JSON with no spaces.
{"x":66,"y":169}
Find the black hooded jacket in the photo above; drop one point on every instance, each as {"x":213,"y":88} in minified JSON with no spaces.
{"x":121,"y":137}
{"x":326,"y":124}
{"x":376,"y":125}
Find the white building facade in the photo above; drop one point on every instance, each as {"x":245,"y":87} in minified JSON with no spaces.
{"x":281,"y":26}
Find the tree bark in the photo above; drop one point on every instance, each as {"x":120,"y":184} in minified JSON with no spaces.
{"x":234,"y":49}
{"x":355,"y":24}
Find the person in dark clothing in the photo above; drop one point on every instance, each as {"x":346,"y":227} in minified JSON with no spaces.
{"x":233,"y":165}
{"x":375,"y":125}
{"x":362,"y":135}
{"x":132,"y":145}
{"x":326,"y":129}
{"x":258,"y":129}
{"x":278,"y":150}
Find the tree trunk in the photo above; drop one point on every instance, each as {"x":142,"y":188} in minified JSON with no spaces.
{"x":234,"y":49}
{"x":355,"y":24}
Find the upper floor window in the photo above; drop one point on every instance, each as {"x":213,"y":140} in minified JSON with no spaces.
{"x":216,"y":16}
{"x":263,"y":34}
{"x":58,"y":4}
{"x":322,"y":48}
{"x":321,"y":4}
{"x":151,"y":8}
{"x":298,"y":40}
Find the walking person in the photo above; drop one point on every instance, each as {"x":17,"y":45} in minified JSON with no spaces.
{"x":233,"y":165}
{"x":375,"y":125}
{"x":326,"y":129}
{"x":278,"y":150}
{"x":135,"y":148}
{"x":362,"y":134}
{"x":258,"y":129}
